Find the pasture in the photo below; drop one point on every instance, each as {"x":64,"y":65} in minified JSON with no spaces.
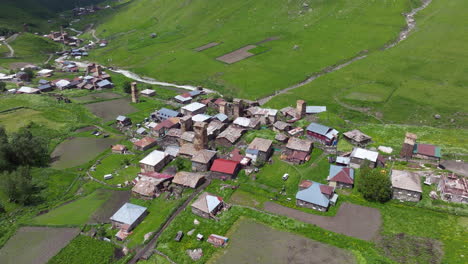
{"x":77,"y":212}
{"x":36,"y":245}
{"x":252,"y":242}
{"x":77,"y":151}
{"x":16,"y":119}
{"x":312,"y":38}
{"x":97,"y":96}
{"x":116,"y":165}
{"x":109,"y":110}
{"x":87,"y":250}
{"x":422,"y":76}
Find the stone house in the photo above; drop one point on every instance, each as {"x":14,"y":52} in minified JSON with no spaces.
{"x":208,"y":205}
{"x":193,"y":109}
{"x":341,"y":177}
{"x":161,"y":129}
{"x":151,"y":185}
{"x":128,"y":217}
{"x":359,"y":155}
{"x":406,"y":186}
{"x":155,"y":161}
{"x":280,"y":126}
{"x":203,"y":159}
{"x":269,"y":115}
{"x":358,"y":138}
{"x":260,"y":150}
{"x":408,"y":145}
{"x":188,"y":179}
{"x":230,"y":136}
{"x":453,"y":188}
{"x":298,"y":150}
{"x":123,"y":121}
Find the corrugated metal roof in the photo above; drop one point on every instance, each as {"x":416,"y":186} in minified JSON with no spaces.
{"x":201,"y":118}
{"x":361,"y":153}
{"x":221,"y":117}
{"x":315,"y":109}
{"x":154,"y":158}
{"x":168,"y":112}
{"x":193,"y":106}
{"x":313,"y":195}
{"x":318,"y":128}
{"x":128,"y":213}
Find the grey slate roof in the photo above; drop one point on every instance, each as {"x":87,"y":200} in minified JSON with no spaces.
{"x":103,"y":83}
{"x":313,"y":195}
{"x":221,"y":117}
{"x":128,"y":213}
{"x":167,"y":112}
{"x":315,"y":109}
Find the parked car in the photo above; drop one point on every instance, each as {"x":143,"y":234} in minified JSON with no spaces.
{"x":285,"y":176}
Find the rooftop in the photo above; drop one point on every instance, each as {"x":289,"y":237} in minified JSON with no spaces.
{"x":193,"y":107}
{"x":128,"y":213}
{"x":361,"y":153}
{"x":155,"y":157}
{"x":260,"y":144}
{"x":224,"y":166}
{"x":207,"y":202}
{"x":188,"y":179}
{"x":406,"y":180}
{"x":299,"y":144}
{"x":313,"y":194}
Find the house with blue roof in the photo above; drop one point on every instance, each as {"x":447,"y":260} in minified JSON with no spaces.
{"x":165,"y":113}
{"x":322,"y":134}
{"x":128,"y":217}
{"x":315,"y":196}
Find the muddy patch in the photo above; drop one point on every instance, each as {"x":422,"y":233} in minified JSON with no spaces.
{"x":352,"y":220}
{"x":237,"y":55}
{"x":109,"y":110}
{"x":77,"y":151}
{"x":117,"y":199}
{"x":257,"y":243}
{"x":36,"y":245}
{"x":85,"y":129}
{"x":404,"y":248}
{"x":97,"y":96}
{"x":207,"y":46}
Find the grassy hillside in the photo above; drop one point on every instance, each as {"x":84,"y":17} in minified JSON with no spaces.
{"x":36,"y":13}
{"x":30,"y":48}
{"x":324,"y":33}
{"x":424,"y":75}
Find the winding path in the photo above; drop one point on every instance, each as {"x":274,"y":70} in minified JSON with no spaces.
{"x":5,"y":42}
{"x":410,"y":26}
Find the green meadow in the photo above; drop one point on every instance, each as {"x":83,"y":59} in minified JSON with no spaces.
{"x":324,"y":33}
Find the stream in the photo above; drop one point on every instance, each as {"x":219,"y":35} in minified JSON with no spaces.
{"x":410,"y":26}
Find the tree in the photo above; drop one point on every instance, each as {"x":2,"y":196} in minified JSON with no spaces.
{"x":374,"y":184}
{"x":127,"y":87}
{"x":18,"y":186}
{"x":2,"y":86}
{"x":4,"y":150}
{"x":28,"y":150}
{"x":30,"y":73}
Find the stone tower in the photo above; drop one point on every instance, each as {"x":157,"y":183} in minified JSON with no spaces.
{"x":186,"y":123}
{"x":134,"y":92}
{"x":238,"y":108}
{"x":301,"y":108}
{"x":201,"y":135}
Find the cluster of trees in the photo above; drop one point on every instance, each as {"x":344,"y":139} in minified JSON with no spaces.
{"x":374,"y":184}
{"x":2,"y":86}
{"x":18,"y":153}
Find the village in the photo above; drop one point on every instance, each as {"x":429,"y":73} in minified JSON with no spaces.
{"x":234,"y":159}
{"x":207,"y":133}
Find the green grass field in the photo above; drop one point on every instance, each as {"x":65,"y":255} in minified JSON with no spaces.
{"x":115,"y":164}
{"x":328,"y":32}
{"x":85,"y":250}
{"x":74,"y":213}
{"x":420,"y":77}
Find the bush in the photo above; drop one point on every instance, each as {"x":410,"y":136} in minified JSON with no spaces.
{"x":2,"y":86}
{"x":127,"y":87}
{"x":374,"y":184}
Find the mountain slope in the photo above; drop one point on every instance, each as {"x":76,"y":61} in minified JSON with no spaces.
{"x":323,"y":33}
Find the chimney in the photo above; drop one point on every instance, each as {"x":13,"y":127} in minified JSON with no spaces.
{"x":201,"y":135}
{"x":238,"y":108}
{"x":186,"y":123}
{"x":301,"y":108}
{"x":134,"y":92}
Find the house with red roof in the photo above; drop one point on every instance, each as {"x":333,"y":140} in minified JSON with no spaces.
{"x":224,"y":169}
{"x":426,"y":151}
{"x":145,"y":143}
{"x":163,"y":127}
{"x":341,"y":177}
